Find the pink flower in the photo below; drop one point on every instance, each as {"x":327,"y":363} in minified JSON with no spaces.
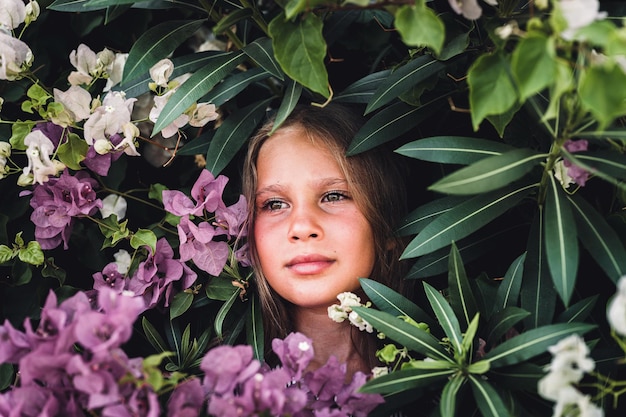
{"x":109,"y":118}
{"x":196,"y":243}
{"x":576,"y":173}
{"x":207,"y":193}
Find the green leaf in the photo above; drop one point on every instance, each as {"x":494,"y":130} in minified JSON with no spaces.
{"x":465,"y":218}
{"x":503,"y":320}
{"x":254,"y":328}
{"x":537,"y":295}
{"x":231,"y":19}
{"x":7,"y":375}
{"x":598,"y":93}
{"x":453,"y":149}
{"x":262,"y":53}
{"x":232,"y":134}
{"x":599,"y":238}
{"x":233,"y":85}
{"x":19,"y":130}
{"x":408,"y":335}
{"x":460,"y":292}
{"x":415,"y":221}
{"x":524,"y":376}
{"x":291,"y":95}
{"x":491,"y":88}
{"x":405,"y":380}
{"x":389,"y":301}
{"x":388,"y":124}
{"x":180,"y":304}
{"x":487,"y":398}
{"x":300,"y":49}
{"x":508,"y":291}
{"x":144,"y":237}
{"x":490,"y":173}
{"x":606,"y":162}
{"x":74,"y":6}
{"x":6,"y":254}
{"x":73,"y":151}
{"x":402,"y":79}
{"x":447,"y":406}
{"x":198,"y":145}
{"x":418,"y":25}
{"x":560,"y":241}
{"x":532,"y":343}
{"x":221,"y":315}
{"x":195,"y":87}
{"x":31,"y":254}
{"x":446,"y":317}
{"x":157,"y":43}
{"x":362,"y":90}
{"x":153,"y":336}
{"x":220,"y":288}
{"x":533,"y":64}
{"x":579,"y":311}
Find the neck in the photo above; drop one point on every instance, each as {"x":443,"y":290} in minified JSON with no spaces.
{"x":329,"y":339}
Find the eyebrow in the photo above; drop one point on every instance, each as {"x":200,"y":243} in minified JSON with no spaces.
{"x":322,"y":183}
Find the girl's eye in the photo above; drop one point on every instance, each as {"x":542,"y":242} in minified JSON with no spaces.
{"x":334,"y":196}
{"x":273,"y":205}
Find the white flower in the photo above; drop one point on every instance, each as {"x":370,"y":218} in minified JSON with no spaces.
{"x":379,"y":371}
{"x":161,"y":72}
{"x":155,"y":112}
{"x":76,"y":100}
{"x":578,"y":14}
{"x":102,"y":146}
{"x":115,"y":71}
{"x":39,"y":150}
{"x":348,"y":299}
{"x":114,"y":204}
{"x":130,"y":132}
{"x":12,"y":13}
{"x":15,"y":57}
{"x":122,"y":260}
{"x":337,"y":313}
{"x":469,"y":8}
{"x":85,"y":62}
{"x":32,"y":12}
{"x":202,"y":114}
{"x":358,"y":321}
{"x":109,"y":118}
{"x":5,"y":149}
{"x":616,"y":310}
{"x":560,"y":173}
{"x":571,"y":353}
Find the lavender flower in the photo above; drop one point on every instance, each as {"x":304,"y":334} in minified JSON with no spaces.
{"x":207,"y":193}
{"x":226,"y":366}
{"x":576,"y":173}
{"x":196,"y":243}
{"x":295,"y":352}
{"x":186,"y":400}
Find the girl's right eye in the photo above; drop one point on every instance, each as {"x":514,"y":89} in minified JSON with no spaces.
{"x":273,"y":205}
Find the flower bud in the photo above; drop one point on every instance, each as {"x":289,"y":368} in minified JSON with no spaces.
{"x":25,"y":180}
{"x":32,"y":12}
{"x":5,"y":149}
{"x":102,"y":146}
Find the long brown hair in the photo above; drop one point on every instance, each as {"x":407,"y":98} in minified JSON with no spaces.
{"x":376,"y":186}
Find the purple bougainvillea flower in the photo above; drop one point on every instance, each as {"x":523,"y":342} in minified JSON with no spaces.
{"x":101,"y":163}
{"x":110,"y":277}
{"x":231,"y":219}
{"x":295,"y":352}
{"x":353,"y":402}
{"x":206,"y":192}
{"x":186,"y":400}
{"x":326,"y":381}
{"x":29,"y":401}
{"x":196,"y":243}
{"x":225,"y":366}
{"x":13,"y":344}
{"x":576,"y":173}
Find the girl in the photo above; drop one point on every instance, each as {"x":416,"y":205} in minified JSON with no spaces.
{"x":318,"y":221}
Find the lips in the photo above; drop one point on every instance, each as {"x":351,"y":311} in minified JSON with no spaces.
{"x":309,"y":264}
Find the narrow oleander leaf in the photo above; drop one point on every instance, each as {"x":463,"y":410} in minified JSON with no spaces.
{"x":537,"y":295}
{"x":405,"y":380}
{"x":221,"y":315}
{"x":231,"y":19}
{"x":75,"y":6}
{"x":600,"y":162}
{"x":532,"y":343}
{"x":233,"y":85}
{"x":389,"y":301}
{"x":599,"y":238}
{"x":232,"y":134}
{"x":153,"y":336}
{"x":291,"y":95}
{"x":490,"y":173}
{"x":449,"y":395}
{"x":388,"y":124}
{"x":180,"y":304}
{"x":254,"y":328}
{"x":157,"y":43}
{"x":446,"y":317}
{"x":518,"y":377}
{"x":195,"y":87}
{"x":361,"y":91}
{"x":415,"y":221}
{"x":404,"y":78}
{"x":460,"y":291}
{"x":487,"y":398}
{"x":508,"y":292}
{"x":579,"y":311}
{"x":560,"y":240}
{"x":453,"y":149}
{"x":198,"y":145}
{"x":466,"y":218}
{"x":262,"y":53}
{"x":408,"y":335}
{"x":503,"y":320}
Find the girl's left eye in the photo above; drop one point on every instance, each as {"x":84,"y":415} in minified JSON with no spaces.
{"x":334,"y":196}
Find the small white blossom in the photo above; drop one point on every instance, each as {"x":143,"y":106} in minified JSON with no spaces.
{"x":5,"y":149}
{"x":15,"y":57}
{"x":109,"y":118}
{"x":32,"y":12}
{"x":130,"y":131}
{"x":359,"y":322}
{"x":102,"y":146}
{"x":161,"y":72}
{"x":348,"y":299}
{"x":85,"y":62}
{"x":159,"y":104}
{"x":38,"y":153}
{"x":304,"y":346}
{"x":578,"y":14}
{"x":114,"y":204}
{"x":122,"y":260}
{"x":12,"y":13}
{"x":379,"y":371}
{"x":76,"y":101}
{"x":202,"y":114}
{"x":337,"y":313}
{"x":616,"y":310}
{"x":115,"y":71}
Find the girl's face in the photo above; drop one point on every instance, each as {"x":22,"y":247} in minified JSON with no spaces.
{"x":312,"y":240}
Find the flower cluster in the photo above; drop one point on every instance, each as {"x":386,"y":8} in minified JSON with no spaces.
{"x":342,"y":311}
{"x":570,"y":361}
{"x":237,"y":384}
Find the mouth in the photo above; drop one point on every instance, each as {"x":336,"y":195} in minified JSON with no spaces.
{"x":309,"y":264}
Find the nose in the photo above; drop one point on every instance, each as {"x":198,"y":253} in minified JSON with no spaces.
{"x":304,"y":225}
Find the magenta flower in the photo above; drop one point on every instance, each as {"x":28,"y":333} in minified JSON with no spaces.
{"x":226,"y":366}
{"x":110,"y":277}
{"x":186,"y":400}
{"x":206,"y":192}
{"x":196,"y":243}
{"x":295,"y":352}
{"x":231,"y":219}
{"x":576,"y":173}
